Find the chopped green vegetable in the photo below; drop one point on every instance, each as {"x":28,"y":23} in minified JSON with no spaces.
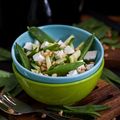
{"x":23,"y":57}
{"x":79,"y":47}
{"x":69,"y":40}
{"x":39,"y":35}
{"x":48,"y":62}
{"x":74,"y":57}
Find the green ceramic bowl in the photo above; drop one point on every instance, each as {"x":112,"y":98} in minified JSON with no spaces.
{"x":59,"y":94}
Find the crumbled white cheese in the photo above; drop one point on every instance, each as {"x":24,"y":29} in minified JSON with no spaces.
{"x":28,"y":46}
{"x":61,"y":43}
{"x":37,"y":42}
{"x":38,"y":57}
{"x":90,"y":55}
{"x":60,"y":54}
{"x":45,"y":44}
{"x":89,"y":66}
{"x":35,"y":71}
{"x":81,"y":69}
{"x":54,"y":75}
{"x":72,"y":73}
{"x":69,"y":50}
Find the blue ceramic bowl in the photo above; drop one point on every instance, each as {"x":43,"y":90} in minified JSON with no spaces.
{"x":59,"y":32}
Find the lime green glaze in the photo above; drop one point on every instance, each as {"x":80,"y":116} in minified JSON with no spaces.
{"x":59,"y":94}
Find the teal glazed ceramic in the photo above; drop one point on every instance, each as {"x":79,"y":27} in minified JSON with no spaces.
{"x":59,"y":32}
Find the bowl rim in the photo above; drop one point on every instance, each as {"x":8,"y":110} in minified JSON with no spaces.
{"x":58,"y":77}
{"x":58,"y":85}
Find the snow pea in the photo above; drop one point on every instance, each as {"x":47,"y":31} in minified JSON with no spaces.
{"x":91,"y":110}
{"x":23,"y":57}
{"x":63,"y":69}
{"x":87,"y":46}
{"x":39,"y":35}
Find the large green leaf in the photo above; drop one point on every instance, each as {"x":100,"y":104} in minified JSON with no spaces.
{"x":4,"y":54}
{"x":3,"y":118}
{"x":9,"y":83}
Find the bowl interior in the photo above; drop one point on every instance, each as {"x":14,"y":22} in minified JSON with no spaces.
{"x":59,"y":32}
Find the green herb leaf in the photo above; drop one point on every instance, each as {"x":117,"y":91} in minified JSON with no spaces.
{"x":23,"y":57}
{"x":4,"y":74}
{"x":4,"y":54}
{"x":8,"y":82}
{"x":14,"y":92}
{"x":3,"y":118}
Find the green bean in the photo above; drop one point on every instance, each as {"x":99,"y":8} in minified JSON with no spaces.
{"x":87,"y":107}
{"x":86,"y":46}
{"x":77,"y":110}
{"x":63,"y":69}
{"x":39,"y":35}
{"x":23,"y":57}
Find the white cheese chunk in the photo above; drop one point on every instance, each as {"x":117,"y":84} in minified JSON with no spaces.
{"x":89,"y":66}
{"x":62,"y":44}
{"x":90,"y":55}
{"x":72,"y":73}
{"x":69,"y":50}
{"x":28,"y":46}
{"x":38,"y":57}
{"x":45,"y":44}
{"x":81,"y":69}
{"x":60,"y":54}
{"x":37,"y":42}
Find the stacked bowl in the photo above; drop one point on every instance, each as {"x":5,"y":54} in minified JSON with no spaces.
{"x":61,"y":90}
